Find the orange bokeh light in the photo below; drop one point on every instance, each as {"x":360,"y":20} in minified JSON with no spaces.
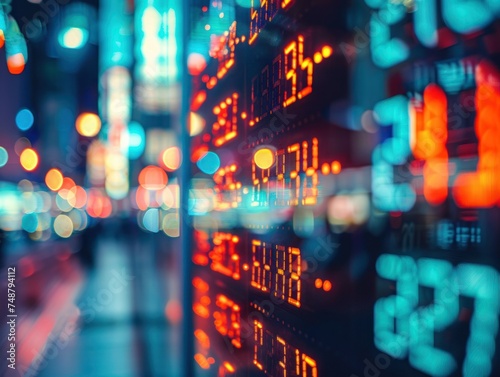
{"x":88,"y":124}
{"x":171,"y":158}
{"x":16,"y":63}
{"x":29,"y":159}
{"x":153,"y":178}
{"x":54,"y":179}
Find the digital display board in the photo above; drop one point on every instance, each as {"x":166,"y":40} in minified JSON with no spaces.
{"x":345,"y":190}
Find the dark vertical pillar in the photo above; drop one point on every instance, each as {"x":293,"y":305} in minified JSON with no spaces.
{"x":185,"y":228}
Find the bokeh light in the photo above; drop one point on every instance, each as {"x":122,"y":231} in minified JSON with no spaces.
{"x":73,"y":37}
{"x":29,"y":222}
{"x":54,"y":179}
{"x":264,"y":158}
{"x":77,"y":197}
{"x":4,"y":157}
{"x":88,"y":124}
{"x":171,"y":158}
{"x":63,"y":226}
{"x":24,"y":119}
{"x":136,"y":140}
{"x":153,"y":178}
{"x":29,"y":159}
{"x":21,"y":144}
{"x":209,"y":163}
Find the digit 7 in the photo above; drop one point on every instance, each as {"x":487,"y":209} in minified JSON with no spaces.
{"x":481,"y":283}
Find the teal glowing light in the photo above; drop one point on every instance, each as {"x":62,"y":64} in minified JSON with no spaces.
{"x":73,"y":37}
{"x":401,"y":329}
{"x":209,"y":163}
{"x":30,"y":222}
{"x":426,"y":22}
{"x":151,"y":220}
{"x":24,"y":119}
{"x":388,"y":196}
{"x":386,"y":51}
{"x":4,"y":157}
{"x":466,"y":16}
{"x":136,"y":140}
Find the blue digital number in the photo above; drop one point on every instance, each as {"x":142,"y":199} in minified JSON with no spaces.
{"x":424,"y":322}
{"x":401,"y":329}
{"x":394,"y":151}
{"x":386,"y":51}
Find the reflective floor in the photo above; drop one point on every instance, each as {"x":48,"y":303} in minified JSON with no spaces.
{"x":119,"y":318}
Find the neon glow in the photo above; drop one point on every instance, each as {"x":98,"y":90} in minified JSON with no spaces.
{"x":224,"y":256}
{"x":394,"y":151}
{"x":482,"y":188}
{"x":277,"y":269}
{"x":228,"y":319}
{"x":403,"y":330}
{"x":270,"y":93}
{"x":292,"y":361}
{"x":430,"y":125}
{"x":226,"y":126}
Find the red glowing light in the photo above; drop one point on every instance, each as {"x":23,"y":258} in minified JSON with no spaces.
{"x":16,"y":64}
{"x":226,"y":126}
{"x":482,"y":188}
{"x":153,"y":178}
{"x":224,"y":256}
{"x":431,"y":129}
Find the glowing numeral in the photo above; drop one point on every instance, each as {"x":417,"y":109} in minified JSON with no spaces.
{"x":387,"y":195}
{"x":226,"y":127}
{"x":386,"y":51}
{"x":309,"y":368}
{"x":290,"y":361}
{"x":426,"y":22}
{"x":307,"y":67}
{"x":290,"y":92}
{"x":466,"y":16}
{"x":391,"y":325}
{"x":224,"y":256}
{"x":254,"y":21}
{"x":227,"y":320}
{"x":310,"y":171}
{"x":258,"y":347}
{"x":430,"y":124}
{"x":226,"y":59}
{"x":227,"y":188}
{"x":436,"y":317}
{"x":481,"y":283}
{"x":403,"y":330}
{"x":281,"y":353}
{"x":293,"y":189}
{"x":260,"y":190}
{"x":294,"y":268}
{"x":281,"y":267}
{"x":482,"y":188}
{"x":256,"y":265}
